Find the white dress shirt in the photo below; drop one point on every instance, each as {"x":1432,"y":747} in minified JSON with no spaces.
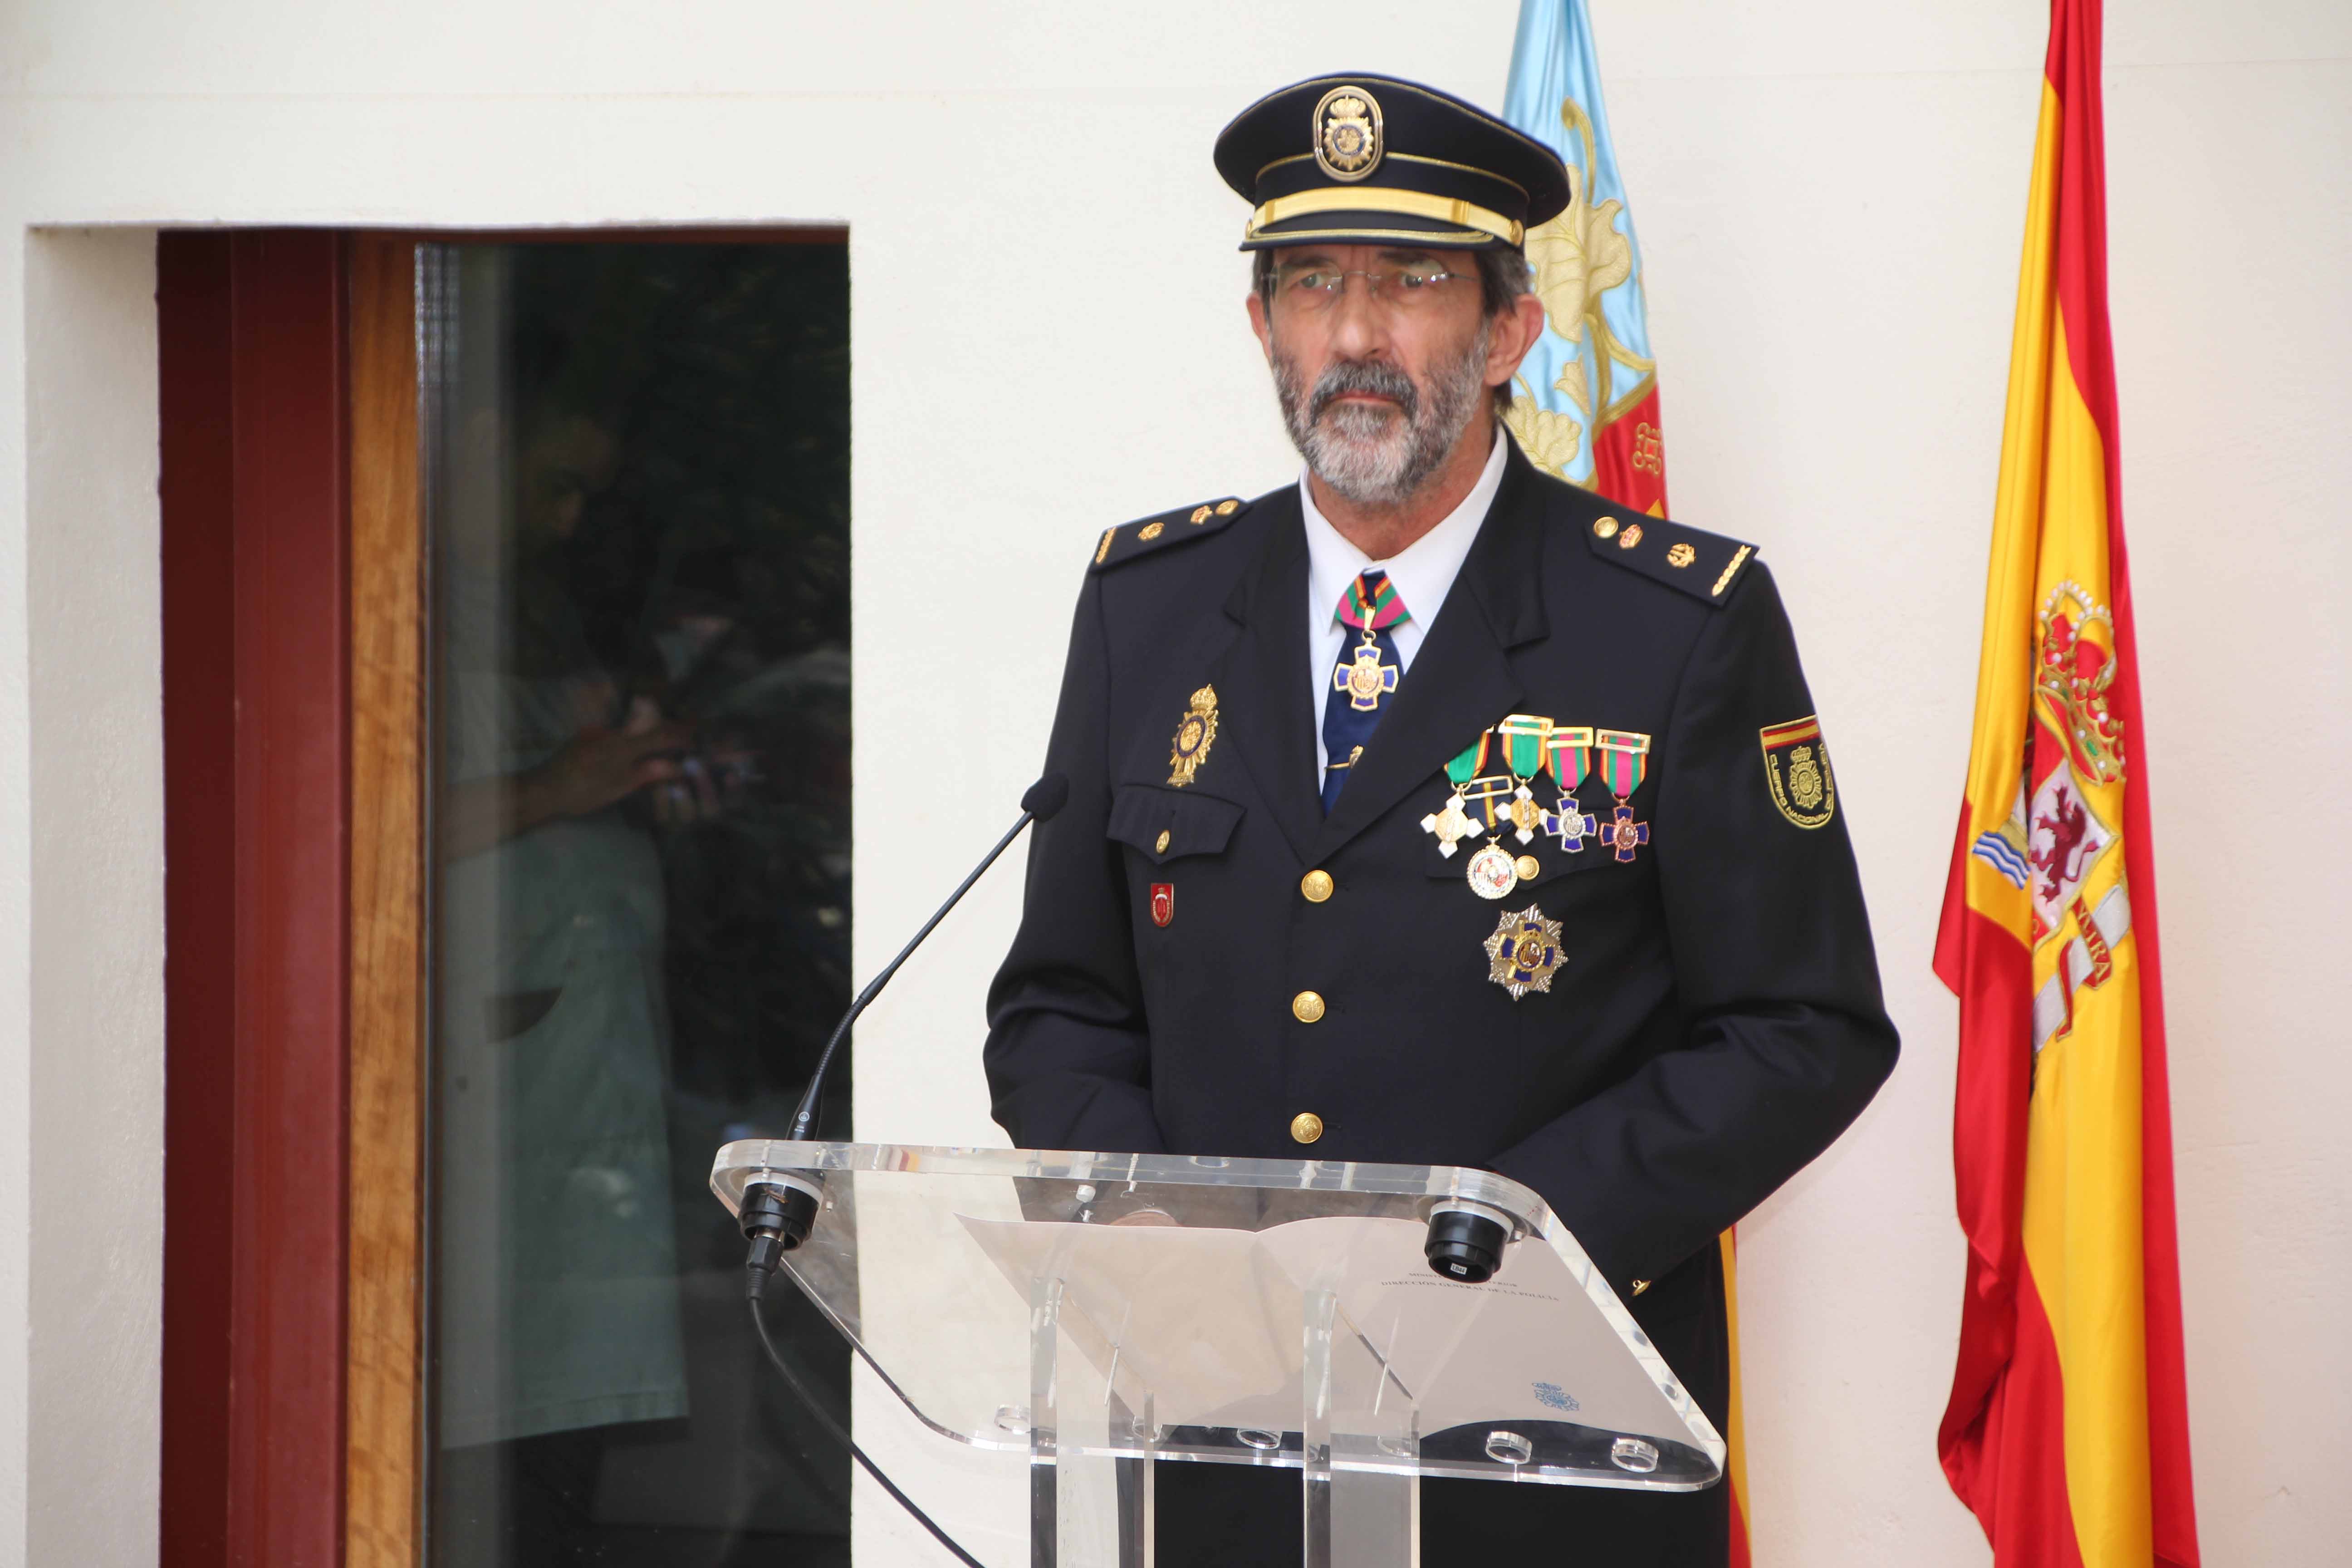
{"x":1423,"y":574}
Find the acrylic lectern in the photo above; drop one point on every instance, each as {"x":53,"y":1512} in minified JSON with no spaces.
{"x":1104,"y":1311}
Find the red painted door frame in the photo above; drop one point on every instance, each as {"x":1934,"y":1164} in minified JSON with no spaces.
{"x":256,"y":721}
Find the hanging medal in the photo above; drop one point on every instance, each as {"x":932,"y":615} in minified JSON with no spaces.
{"x":1523,"y":736}
{"x":1490,"y":871}
{"x":1450,"y":824}
{"x":1624,"y":762}
{"x":1365,"y":678}
{"x":1493,"y":871}
{"x":1567,"y":751}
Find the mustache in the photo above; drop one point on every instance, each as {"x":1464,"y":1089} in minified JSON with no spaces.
{"x":1349,"y":377}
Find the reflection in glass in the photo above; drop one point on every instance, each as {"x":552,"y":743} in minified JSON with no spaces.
{"x":636,"y":462}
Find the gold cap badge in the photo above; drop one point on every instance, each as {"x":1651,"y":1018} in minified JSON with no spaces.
{"x":1348,"y":138}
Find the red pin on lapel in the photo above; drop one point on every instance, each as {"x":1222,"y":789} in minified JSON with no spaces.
{"x":1164,"y":902}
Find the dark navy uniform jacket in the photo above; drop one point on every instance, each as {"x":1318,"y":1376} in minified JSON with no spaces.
{"x":1717,"y":1021}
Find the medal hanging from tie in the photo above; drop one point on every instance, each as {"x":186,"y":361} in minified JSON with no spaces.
{"x":1363,"y":680}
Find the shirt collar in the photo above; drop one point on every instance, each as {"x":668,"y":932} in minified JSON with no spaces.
{"x":1424,"y":572}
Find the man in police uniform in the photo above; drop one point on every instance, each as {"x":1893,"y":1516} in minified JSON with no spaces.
{"x":1431,"y":810}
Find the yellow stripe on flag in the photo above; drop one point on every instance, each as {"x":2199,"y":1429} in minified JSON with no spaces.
{"x":2082,"y":1225}
{"x":2005,"y":665}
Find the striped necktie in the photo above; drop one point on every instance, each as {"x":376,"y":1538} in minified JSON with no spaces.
{"x":1365,"y":682}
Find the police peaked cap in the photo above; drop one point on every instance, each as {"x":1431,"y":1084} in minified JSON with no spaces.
{"x":1371,"y":159}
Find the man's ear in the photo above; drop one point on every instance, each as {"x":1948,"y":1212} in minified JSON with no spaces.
{"x":1516,"y":332}
{"x":1256,"y":306}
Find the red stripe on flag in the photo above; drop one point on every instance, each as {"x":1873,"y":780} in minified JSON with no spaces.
{"x":1992,"y":973}
{"x":2034,"y":1525}
{"x":2072,"y":70}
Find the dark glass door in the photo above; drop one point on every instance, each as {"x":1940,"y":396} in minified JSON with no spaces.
{"x":636,"y":495}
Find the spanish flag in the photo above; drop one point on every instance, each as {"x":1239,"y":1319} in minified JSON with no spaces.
{"x":2067,"y":1431}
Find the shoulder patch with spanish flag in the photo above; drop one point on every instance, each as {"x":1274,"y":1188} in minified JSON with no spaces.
{"x":1797,"y":771}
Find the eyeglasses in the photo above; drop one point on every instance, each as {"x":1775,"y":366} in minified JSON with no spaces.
{"x":1414,"y":285}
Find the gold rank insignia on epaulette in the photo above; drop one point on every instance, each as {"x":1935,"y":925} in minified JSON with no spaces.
{"x":1129,"y":539}
{"x":1704,"y":566}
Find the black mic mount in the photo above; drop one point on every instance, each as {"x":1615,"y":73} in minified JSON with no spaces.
{"x":777,"y":1211}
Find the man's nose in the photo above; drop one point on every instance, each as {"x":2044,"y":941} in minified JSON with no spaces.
{"x":1360,"y":325}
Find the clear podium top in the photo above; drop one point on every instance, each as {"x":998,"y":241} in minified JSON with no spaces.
{"x":1190,"y":1288}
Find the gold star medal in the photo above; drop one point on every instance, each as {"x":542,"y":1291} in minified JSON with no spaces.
{"x":1524,"y":953}
{"x":1195,"y":733}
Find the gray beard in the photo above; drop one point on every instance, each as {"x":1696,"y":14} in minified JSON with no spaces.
{"x":1370,"y":456}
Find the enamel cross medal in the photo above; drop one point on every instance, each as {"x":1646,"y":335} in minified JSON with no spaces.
{"x":1568,"y":751}
{"x":1624,"y":761}
{"x":1524,"y":738}
{"x":1367,"y":679}
{"x":1450,"y":824}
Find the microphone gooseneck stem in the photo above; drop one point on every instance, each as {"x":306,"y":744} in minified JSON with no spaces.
{"x":806,"y":1114}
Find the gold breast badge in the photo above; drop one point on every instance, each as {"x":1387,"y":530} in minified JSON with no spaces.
{"x":1195,"y":735}
{"x":1524,"y":953}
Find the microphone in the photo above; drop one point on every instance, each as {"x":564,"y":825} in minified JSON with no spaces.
{"x":776,"y":1213}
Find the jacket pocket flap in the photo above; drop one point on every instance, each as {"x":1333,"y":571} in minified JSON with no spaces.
{"x":1168,"y":825}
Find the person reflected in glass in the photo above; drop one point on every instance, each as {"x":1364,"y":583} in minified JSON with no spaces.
{"x":560,"y":1317}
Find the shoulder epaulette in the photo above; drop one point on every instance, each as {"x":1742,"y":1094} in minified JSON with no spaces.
{"x":1704,"y":566}
{"x":1143,"y":536}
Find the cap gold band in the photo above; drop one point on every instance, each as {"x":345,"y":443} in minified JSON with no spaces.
{"x":1384,"y":199}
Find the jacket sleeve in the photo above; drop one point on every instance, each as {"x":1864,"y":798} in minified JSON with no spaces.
{"x":1069,"y":1055}
{"x":1784,"y":1036}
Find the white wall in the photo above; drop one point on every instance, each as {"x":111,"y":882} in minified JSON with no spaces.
{"x":1048,"y":338}
{"x":95,"y":759}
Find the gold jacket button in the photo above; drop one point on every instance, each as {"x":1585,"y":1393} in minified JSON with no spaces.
{"x":1527,"y":866}
{"x":1162,"y":846}
{"x":1306,"y":1127}
{"x":1307,"y":1006}
{"x":1316,"y":886}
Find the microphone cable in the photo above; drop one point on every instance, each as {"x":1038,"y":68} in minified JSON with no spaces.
{"x":840,"y":1435}
{"x":785,"y":1215}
